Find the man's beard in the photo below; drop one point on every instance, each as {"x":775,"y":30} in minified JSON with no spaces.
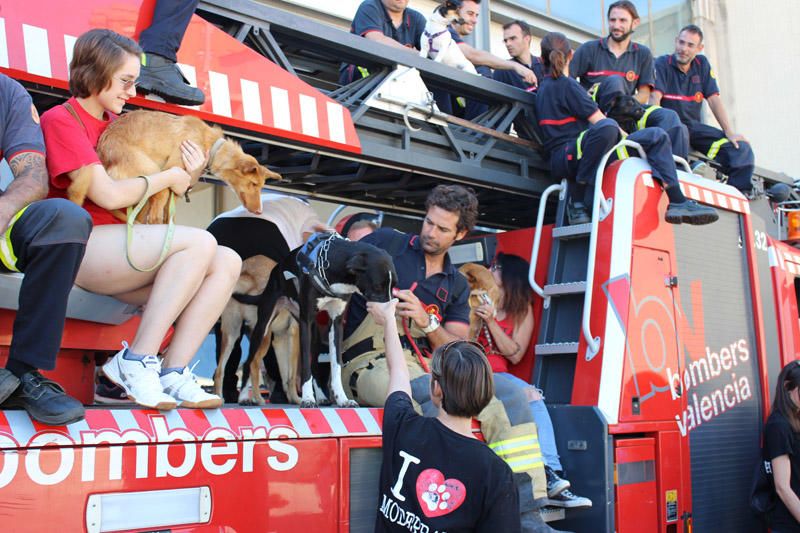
{"x":621,"y":38}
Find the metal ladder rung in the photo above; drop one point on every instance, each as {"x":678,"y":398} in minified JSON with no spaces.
{"x":557,"y":348}
{"x":560,"y":289}
{"x":572,"y":232}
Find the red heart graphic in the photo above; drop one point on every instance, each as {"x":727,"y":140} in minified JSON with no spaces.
{"x":439,"y":496}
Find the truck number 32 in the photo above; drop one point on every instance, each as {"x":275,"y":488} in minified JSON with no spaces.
{"x":761,"y":240}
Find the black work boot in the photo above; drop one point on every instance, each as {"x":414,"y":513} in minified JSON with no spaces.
{"x":161,"y":76}
{"x":691,"y":212}
{"x":45,"y":401}
{"x":8,"y":384}
{"x":578,"y":213}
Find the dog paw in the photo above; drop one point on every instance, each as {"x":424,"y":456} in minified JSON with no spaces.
{"x":436,"y":497}
{"x":308,"y":404}
{"x":324,"y":401}
{"x":348,"y":403}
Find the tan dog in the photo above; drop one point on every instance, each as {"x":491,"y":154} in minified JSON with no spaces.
{"x":483,"y":290}
{"x":145,"y":142}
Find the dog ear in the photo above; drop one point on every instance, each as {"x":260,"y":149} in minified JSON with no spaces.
{"x":357,"y":263}
{"x":248,"y":167}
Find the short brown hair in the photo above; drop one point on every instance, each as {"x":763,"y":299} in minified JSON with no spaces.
{"x":523,"y":26}
{"x":466,"y":379}
{"x":627,"y":5}
{"x":97,"y":55}
{"x":455,"y":199}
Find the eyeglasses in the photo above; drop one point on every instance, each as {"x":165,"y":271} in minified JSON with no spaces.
{"x":128,"y":84}
{"x":495,"y":267}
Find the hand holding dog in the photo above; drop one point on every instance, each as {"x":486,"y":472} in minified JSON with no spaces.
{"x":411,"y":307}
{"x":383,"y":312}
{"x":194,"y":159}
{"x":486,"y":312}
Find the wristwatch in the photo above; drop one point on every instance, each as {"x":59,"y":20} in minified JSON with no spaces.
{"x":433,"y":324}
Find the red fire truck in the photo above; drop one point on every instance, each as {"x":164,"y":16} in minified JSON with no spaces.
{"x":656,"y":346}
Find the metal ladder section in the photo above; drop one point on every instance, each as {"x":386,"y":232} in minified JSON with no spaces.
{"x":567,"y":303}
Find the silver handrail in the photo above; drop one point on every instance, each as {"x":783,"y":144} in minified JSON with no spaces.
{"x":682,"y":162}
{"x":593,"y":343}
{"x":538,"y":235}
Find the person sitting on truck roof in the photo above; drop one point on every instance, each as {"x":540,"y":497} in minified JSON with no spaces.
{"x":505,"y":338}
{"x":434,"y":310}
{"x":160,"y":42}
{"x":782,"y":449}
{"x":390,"y":22}
{"x":517,"y":37}
{"x":483,"y":61}
{"x":44,"y":239}
{"x":683,"y":80}
{"x":616,"y":65}
{"x":578,"y":135}
{"x":420,"y":453}
{"x":193,"y":284}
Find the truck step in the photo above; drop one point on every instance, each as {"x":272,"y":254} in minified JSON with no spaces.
{"x":557,"y":348}
{"x":560,"y":289}
{"x":572,"y":232}
{"x":552,"y":514}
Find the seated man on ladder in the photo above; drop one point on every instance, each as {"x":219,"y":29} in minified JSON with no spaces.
{"x":434,"y":310}
{"x":683,"y":80}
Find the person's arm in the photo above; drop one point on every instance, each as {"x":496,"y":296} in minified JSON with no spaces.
{"x":29,"y":185}
{"x":782,"y":472}
{"x":379,"y":37}
{"x":482,"y":57}
{"x":117,"y":194}
{"x":647,"y":76}
{"x":718,"y":108}
{"x":384,"y":315}
{"x":515,"y":346}
{"x":655,"y":97}
{"x":643,"y":94}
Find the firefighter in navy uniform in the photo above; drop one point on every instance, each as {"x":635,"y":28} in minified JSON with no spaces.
{"x":577,"y":135}
{"x":615,"y":65}
{"x":683,"y":80}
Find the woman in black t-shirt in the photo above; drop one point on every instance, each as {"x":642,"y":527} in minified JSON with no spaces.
{"x":782,"y":447}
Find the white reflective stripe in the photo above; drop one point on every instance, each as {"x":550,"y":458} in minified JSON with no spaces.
{"x":369,"y":421}
{"x":281,"y":114}
{"x":257,"y":417}
{"x":69,"y":46}
{"x":647,"y":178}
{"x":76,"y":428}
{"x":334,"y":421}
{"x":746,"y":205}
{"x":3,"y":44}
{"x":708,"y":197}
{"x":336,"y":122}
{"x":694,"y":192}
{"x":37,"y":50}
{"x":21,"y":426}
{"x":735,"y":204}
{"x":298,"y":422}
{"x":773,"y":260}
{"x":220,"y":93}
{"x":722,"y":201}
{"x":7,"y":255}
{"x":124,"y":419}
{"x":308,"y":115}
{"x":251,"y":102}
{"x":173,"y":419}
{"x":216,"y":418}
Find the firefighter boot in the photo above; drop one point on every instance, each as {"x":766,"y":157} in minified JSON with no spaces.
{"x":532,"y":522}
{"x":691,"y":212}
{"x":45,"y":401}
{"x":161,"y":76}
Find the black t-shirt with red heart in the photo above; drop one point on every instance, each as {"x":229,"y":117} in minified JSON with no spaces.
{"x":436,"y":480}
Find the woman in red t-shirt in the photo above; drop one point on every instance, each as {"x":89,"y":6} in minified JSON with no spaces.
{"x":193,"y":284}
{"x":505,"y":337}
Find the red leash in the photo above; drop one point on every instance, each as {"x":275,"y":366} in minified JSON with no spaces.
{"x":407,"y":332}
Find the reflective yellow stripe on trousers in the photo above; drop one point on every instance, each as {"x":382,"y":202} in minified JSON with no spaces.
{"x":7,"y":255}
{"x":520,"y":453}
{"x":715,"y":146}
{"x":642,"y":123}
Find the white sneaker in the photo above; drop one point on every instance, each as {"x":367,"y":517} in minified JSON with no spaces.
{"x":187,"y":392}
{"x":140,"y":380}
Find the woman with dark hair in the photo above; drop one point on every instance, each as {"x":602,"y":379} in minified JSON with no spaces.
{"x":194,"y":282}
{"x":782,"y":448}
{"x":505,"y":337}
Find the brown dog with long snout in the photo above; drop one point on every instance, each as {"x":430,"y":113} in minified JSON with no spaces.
{"x":145,"y":142}
{"x":483,"y":290}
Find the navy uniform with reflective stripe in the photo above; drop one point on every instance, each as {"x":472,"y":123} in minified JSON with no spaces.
{"x":594,"y":63}
{"x":576,"y":146}
{"x":372,"y":16}
{"x":684,"y":93}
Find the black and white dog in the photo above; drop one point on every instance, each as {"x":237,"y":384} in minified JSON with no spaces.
{"x":436,"y":42}
{"x":322,"y":275}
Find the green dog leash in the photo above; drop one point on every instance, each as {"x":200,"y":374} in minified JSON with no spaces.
{"x":132,"y":213}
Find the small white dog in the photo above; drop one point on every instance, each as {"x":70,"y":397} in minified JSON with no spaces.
{"x":436,"y":42}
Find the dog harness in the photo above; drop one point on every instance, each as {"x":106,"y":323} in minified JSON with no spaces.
{"x":431,"y":37}
{"x":312,"y":260}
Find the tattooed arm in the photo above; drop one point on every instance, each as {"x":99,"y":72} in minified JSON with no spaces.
{"x":29,"y":185}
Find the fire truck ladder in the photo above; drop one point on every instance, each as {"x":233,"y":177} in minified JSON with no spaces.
{"x":407,"y":146}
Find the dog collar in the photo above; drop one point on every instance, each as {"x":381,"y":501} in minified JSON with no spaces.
{"x":312,"y":260}
{"x":214,"y":149}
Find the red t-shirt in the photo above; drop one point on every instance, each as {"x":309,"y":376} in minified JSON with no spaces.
{"x":71,"y":146}
{"x":496,"y":359}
